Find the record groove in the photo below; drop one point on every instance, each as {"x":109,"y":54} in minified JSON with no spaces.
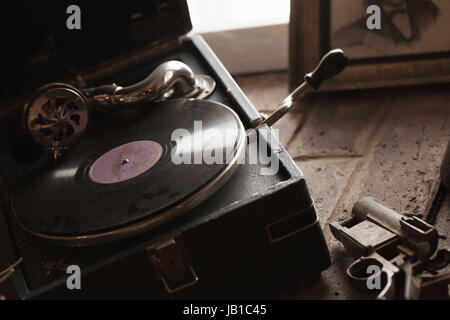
{"x":60,"y":202}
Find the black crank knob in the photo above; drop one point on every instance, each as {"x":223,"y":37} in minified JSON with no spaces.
{"x":331,"y":64}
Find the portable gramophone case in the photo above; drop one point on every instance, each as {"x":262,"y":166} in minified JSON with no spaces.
{"x":250,"y":233}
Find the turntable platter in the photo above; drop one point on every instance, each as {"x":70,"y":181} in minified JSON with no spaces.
{"x":121,"y":179}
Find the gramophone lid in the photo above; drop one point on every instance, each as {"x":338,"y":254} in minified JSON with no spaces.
{"x":40,"y":48}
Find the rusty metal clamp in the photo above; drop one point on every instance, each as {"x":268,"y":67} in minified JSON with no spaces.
{"x":399,"y":249}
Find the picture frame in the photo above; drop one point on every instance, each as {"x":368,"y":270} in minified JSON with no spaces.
{"x":309,"y":40}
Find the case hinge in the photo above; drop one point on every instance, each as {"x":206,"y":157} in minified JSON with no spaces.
{"x":171,"y":265}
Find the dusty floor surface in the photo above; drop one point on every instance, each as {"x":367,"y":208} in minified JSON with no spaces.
{"x":386,"y":143}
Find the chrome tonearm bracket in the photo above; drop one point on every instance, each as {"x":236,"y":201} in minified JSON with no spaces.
{"x":58,"y":114}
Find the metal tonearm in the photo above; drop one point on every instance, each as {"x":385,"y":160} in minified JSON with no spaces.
{"x":172,"y":79}
{"x":58,"y":114}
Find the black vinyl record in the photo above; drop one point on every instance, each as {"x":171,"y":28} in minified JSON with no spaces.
{"x":121,"y":178}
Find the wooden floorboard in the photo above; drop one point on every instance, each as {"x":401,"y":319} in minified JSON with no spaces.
{"x":387,"y":143}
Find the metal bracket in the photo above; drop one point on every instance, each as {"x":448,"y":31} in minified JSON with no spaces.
{"x":5,"y":275}
{"x":171,"y":265}
{"x":8,"y":272}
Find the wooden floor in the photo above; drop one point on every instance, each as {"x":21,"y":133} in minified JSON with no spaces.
{"x":386,"y":143}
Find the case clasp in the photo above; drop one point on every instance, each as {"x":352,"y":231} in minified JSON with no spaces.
{"x":171,"y":265}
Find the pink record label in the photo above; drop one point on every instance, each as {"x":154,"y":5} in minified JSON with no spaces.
{"x":125,"y":162}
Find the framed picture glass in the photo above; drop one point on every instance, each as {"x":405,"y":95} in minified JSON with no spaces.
{"x":388,"y":42}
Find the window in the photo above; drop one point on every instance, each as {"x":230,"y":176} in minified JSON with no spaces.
{"x":248,"y":36}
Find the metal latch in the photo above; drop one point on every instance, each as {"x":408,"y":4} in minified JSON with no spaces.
{"x":171,"y":265}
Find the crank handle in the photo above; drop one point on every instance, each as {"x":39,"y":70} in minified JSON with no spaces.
{"x":331,"y":64}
